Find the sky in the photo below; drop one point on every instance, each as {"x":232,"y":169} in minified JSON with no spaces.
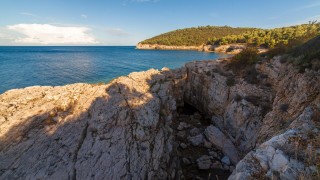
{"x":127,"y":22}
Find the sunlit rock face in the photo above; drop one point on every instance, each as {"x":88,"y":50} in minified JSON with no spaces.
{"x":131,"y":128}
{"x":81,"y":131}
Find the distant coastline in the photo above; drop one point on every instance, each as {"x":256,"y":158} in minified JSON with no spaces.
{"x":165,"y":47}
{"x":225,"y":49}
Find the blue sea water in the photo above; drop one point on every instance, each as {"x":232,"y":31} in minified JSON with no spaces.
{"x":28,"y":66}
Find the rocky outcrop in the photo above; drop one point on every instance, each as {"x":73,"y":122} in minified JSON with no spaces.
{"x":139,"y":126}
{"x":229,"y":48}
{"x":256,"y":115}
{"x":225,"y":49}
{"x":165,"y":47}
{"x":290,"y":155}
{"x":81,"y":131}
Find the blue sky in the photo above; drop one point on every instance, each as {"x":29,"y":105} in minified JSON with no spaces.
{"x":126,"y":22}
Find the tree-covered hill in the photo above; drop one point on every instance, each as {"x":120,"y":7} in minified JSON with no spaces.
{"x":195,"y":36}
{"x":221,"y":35}
{"x":272,"y":37}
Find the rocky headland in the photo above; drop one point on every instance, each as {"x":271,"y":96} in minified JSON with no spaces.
{"x":226,"y":49}
{"x":201,"y":121}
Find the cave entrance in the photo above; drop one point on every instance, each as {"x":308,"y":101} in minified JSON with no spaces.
{"x":190,"y":110}
{"x":193,"y":149}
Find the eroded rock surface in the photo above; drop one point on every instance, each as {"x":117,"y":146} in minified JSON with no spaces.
{"x":134,"y":128}
{"x":80,"y":131}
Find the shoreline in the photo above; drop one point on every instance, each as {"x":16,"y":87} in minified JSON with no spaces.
{"x":234,"y":48}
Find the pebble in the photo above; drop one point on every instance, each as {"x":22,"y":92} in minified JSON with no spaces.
{"x":204,"y":162}
{"x":214,"y":154}
{"x":196,"y":140}
{"x":186,"y":161}
{"x":194,"y":131}
{"x":225,"y":160}
{"x":216,"y":165}
{"x":207,"y":144}
{"x":181,"y":134}
{"x":182,"y":126}
{"x":183,"y":145}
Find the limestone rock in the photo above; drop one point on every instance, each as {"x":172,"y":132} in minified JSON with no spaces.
{"x":127,"y":129}
{"x":276,"y":157}
{"x":182,"y":126}
{"x":186,"y":161}
{"x":196,"y":140}
{"x":84,"y":131}
{"x":216,"y":165}
{"x":183,"y":145}
{"x":165,"y":47}
{"x":225,"y":160}
{"x":216,"y":137}
{"x":194,"y":131}
{"x":204,"y":162}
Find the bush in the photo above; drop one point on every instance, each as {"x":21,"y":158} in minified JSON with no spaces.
{"x":246,"y":57}
{"x":306,"y":56}
{"x":237,"y":98}
{"x":277,"y":51}
{"x":251,"y":75}
{"x":230,"y":82}
{"x":255,"y":100}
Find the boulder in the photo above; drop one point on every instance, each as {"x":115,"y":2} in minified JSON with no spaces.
{"x":217,"y":138}
{"x":204,"y":162}
{"x":225,"y":160}
{"x":196,"y":140}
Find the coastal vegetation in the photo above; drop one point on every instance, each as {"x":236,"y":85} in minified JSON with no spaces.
{"x":246,"y":57}
{"x":305,"y":56}
{"x":195,"y":36}
{"x":223,"y":35}
{"x":270,"y":38}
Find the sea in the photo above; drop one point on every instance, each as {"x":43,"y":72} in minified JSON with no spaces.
{"x":25,"y":66}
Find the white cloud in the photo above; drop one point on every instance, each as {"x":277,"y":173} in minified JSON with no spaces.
{"x":50,"y":34}
{"x":84,"y":16}
{"x":117,"y":32}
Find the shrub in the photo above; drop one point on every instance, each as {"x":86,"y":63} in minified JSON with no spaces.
{"x":246,"y":57}
{"x":306,"y":56}
{"x":253,"y":99}
{"x":250,"y":76}
{"x":237,"y":98}
{"x":282,"y":49}
{"x":230,"y":82}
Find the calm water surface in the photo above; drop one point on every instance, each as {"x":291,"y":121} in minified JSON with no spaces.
{"x":28,"y":66}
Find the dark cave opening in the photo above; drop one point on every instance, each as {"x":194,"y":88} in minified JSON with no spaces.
{"x":188,"y":154}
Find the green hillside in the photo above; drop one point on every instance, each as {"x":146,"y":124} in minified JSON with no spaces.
{"x":272,"y":37}
{"x":195,"y":36}
{"x":221,"y":35}
{"x":306,"y":55}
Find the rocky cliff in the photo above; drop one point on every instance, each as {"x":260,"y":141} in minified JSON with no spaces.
{"x":226,"y":49}
{"x":199,"y":121}
{"x":165,"y":47}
